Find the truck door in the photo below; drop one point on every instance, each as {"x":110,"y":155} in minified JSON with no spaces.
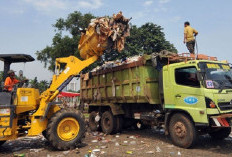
{"x":188,"y":94}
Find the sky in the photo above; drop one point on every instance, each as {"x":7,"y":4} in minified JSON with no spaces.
{"x":26,"y":25}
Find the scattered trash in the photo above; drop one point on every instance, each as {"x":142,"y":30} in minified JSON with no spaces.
{"x":178,"y":153}
{"x":95,"y":153}
{"x":158,"y":149}
{"x":172,"y":153}
{"x":103,"y":147}
{"x":94,"y":141}
{"x":97,"y":118}
{"x":132,"y":137}
{"x":142,"y":142}
{"x":66,"y":152}
{"x":95,"y":133}
{"x":102,"y":152}
{"x":132,"y":142}
{"x":19,"y":155}
{"x":117,"y":144}
{"x":105,"y":141}
{"x":170,"y":146}
{"x":48,"y":155}
{"x":117,"y":136}
{"x":129,"y":152}
{"x":36,"y":150}
{"x":125,"y":142}
{"x":150,"y":152}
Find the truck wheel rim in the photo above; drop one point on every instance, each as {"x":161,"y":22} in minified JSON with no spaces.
{"x":68,"y":129}
{"x":180,"y":129}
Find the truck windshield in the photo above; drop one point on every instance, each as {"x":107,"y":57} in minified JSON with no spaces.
{"x":216,"y":75}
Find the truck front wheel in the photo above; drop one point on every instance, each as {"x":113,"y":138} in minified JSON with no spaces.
{"x":66,"y":129}
{"x":108,"y":122}
{"x":220,"y":133}
{"x":182,"y":130}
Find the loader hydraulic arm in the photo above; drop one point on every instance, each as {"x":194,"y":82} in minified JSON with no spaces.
{"x":72,"y":69}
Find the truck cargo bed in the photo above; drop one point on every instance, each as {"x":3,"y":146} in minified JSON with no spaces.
{"x":135,"y":82}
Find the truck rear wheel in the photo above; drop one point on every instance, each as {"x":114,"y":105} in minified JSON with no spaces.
{"x":220,"y":133}
{"x":108,"y":122}
{"x":66,"y":129}
{"x":93,"y":125}
{"x":182,"y":130}
{"x":119,"y":123}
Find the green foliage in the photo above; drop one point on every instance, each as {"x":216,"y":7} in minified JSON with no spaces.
{"x":42,"y":85}
{"x":146,"y":39}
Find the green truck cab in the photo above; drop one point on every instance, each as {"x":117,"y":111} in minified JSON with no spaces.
{"x":186,"y":97}
{"x":197,"y":98}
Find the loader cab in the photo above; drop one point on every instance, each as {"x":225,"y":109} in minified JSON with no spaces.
{"x":8,"y":59}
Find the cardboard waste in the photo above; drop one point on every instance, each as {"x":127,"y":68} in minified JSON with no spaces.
{"x":104,"y":34}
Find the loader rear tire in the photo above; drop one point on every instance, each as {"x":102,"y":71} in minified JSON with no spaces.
{"x":2,"y":142}
{"x":66,"y":128}
{"x":108,"y":123}
{"x":93,"y":125}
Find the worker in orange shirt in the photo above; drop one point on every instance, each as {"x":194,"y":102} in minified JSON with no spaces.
{"x":189,"y":39}
{"x":10,"y":81}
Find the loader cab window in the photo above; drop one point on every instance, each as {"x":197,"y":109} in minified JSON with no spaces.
{"x":187,"y":76}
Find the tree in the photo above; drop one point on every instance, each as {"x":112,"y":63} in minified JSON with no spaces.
{"x":146,"y":39}
{"x":42,"y":85}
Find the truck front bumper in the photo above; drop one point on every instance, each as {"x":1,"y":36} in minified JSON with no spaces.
{"x":223,"y":120}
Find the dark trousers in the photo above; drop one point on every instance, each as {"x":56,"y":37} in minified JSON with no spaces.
{"x":191,"y":45}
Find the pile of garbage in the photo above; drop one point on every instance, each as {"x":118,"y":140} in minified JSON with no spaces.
{"x":116,"y":28}
{"x":104,"y":34}
{"x":111,"y":64}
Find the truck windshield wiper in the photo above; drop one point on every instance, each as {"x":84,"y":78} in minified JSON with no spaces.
{"x":222,"y":86}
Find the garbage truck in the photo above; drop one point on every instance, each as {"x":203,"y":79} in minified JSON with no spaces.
{"x":186,"y":95}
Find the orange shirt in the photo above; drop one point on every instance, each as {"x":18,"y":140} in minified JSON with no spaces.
{"x":9,"y":83}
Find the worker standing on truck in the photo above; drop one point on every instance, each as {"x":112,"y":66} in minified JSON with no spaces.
{"x":189,"y":39}
{"x":10,"y":81}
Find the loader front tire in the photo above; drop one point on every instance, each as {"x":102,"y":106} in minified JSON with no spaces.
{"x":66,"y":128}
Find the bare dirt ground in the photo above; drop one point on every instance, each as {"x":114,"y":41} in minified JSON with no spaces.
{"x":143,"y":143}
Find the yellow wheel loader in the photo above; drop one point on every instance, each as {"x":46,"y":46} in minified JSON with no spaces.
{"x":26,"y":112}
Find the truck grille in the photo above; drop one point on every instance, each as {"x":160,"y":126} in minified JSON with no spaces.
{"x":225,"y":106}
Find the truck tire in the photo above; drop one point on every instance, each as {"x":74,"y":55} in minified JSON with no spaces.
{"x":93,"y":125}
{"x":220,"y":133}
{"x":108,"y":123}
{"x":182,"y":131}
{"x":119,"y":123}
{"x":66,"y":128}
{"x":2,"y":142}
